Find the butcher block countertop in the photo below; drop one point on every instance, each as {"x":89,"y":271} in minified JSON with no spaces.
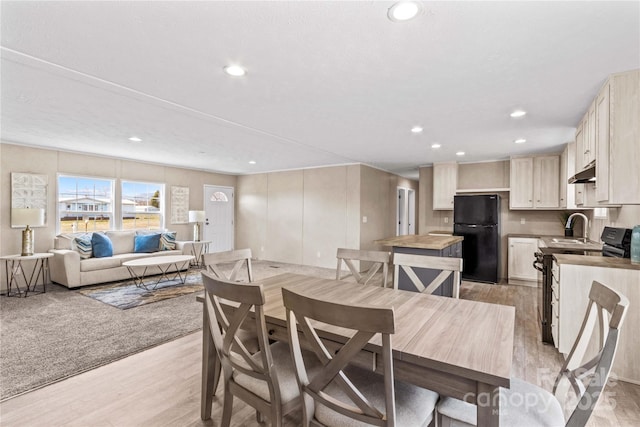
{"x":596,"y":261}
{"x":420,"y":241}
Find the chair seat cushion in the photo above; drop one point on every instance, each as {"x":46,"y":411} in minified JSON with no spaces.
{"x":524,"y":404}
{"x":414,"y":405}
{"x":285,"y":370}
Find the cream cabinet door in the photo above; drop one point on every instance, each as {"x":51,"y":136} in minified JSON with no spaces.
{"x":521,"y":257}
{"x":602,"y":145}
{"x":546,"y":181}
{"x":445,"y":184}
{"x":521,"y":183}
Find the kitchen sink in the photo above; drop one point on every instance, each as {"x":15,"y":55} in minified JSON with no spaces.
{"x":569,"y":241}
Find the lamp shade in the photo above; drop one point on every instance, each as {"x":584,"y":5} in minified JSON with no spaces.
{"x":21,"y":217}
{"x":196,"y":216}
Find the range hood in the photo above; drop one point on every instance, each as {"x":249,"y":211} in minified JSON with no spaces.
{"x":588,"y":174}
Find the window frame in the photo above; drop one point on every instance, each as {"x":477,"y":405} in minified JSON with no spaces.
{"x":161,"y":200}
{"x":111,"y":214}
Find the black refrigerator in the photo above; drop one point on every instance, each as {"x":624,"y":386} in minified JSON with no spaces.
{"x":477,"y":219}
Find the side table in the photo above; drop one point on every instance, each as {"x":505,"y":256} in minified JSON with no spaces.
{"x":198,"y":249}
{"x":14,"y":269}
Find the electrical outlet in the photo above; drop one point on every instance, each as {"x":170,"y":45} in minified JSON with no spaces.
{"x":446,"y":220}
{"x":523,"y":221}
{"x":364,"y":219}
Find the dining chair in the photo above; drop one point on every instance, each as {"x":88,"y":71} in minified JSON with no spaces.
{"x":345,"y":395}
{"x":527,"y":404}
{"x":265,"y":380}
{"x":448,"y":266}
{"x":241,"y":257}
{"x":376,"y":258}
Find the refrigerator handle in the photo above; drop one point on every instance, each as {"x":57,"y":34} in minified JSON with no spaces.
{"x":472,"y":226}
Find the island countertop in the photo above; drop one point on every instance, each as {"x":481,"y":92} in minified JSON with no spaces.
{"x":420,"y":241}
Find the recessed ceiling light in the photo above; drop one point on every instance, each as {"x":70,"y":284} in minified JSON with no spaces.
{"x":518,"y":113}
{"x":235,"y":70}
{"x":416,"y":129}
{"x":460,"y":153}
{"x":252,"y":162}
{"x":404,"y":11}
{"x":520,"y":141}
{"x":435,"y":145}
{"x":135,"y":139}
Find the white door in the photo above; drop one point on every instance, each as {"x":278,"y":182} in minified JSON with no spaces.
{"x":218,"y":227}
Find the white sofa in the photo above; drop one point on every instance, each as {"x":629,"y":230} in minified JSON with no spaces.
{"x":69,"y":269}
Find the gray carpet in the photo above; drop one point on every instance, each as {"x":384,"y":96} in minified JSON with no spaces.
{"x":48,"y":337}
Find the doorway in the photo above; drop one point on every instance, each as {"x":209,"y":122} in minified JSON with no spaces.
{"x":406,"y":212}
{"x":218,"y":227}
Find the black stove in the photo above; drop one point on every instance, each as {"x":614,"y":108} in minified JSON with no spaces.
{"x":616,"y":242}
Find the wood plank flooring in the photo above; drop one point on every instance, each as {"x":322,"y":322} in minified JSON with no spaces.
{"x":161,"y":386}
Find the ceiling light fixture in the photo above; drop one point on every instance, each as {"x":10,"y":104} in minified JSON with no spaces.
{"x":435,"y":145}
{"x":518,"y":113}
{"x":520,"y":141}
{"x":404,"y":11}
{"x":135,"y":139}
{"x":235,"y":70}
{"x":460,"y":153}
{"x":252,"y":162}
{"x":416,"y":129}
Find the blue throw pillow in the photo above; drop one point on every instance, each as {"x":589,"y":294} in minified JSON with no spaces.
{"x":102,"y":246}
{"x":147,"y":243}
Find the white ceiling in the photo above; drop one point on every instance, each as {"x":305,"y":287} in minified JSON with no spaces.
{"x":329,"y":82}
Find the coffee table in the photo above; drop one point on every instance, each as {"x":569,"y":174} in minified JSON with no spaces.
{"x":162,"y":263}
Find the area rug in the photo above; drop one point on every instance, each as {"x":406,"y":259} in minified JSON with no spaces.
{"x":125,"y":295}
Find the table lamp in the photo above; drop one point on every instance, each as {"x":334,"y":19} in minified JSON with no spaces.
{"x":27,"y":217}
{"x":196,"y":217}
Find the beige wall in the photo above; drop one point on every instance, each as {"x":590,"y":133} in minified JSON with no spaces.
{"x":303,"y":216}
{"x":15,"y":158}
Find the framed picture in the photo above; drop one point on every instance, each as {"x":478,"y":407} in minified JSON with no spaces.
{"x":29,"y":191}
{"x":179,"y":205}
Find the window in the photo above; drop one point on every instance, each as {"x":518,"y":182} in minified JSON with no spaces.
{"x":142,"y":205}
{"x":84,"y":204}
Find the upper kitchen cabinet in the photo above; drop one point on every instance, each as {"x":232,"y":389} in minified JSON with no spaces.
{"x":535,"y":182}
{"x":617,"y":123}
{"x":445,"y":183}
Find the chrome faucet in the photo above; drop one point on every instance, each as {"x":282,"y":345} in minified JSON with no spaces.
{"x":585,"y":224}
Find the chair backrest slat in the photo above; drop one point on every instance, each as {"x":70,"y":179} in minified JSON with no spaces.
{"x":408,"y":263}
{"x":376,"y":258}
{"x":241,"y":257}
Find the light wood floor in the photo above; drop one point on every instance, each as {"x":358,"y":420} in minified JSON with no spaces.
{"x":161,"y":386}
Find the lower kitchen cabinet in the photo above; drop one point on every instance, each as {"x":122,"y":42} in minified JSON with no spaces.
{"x":520,"y":261}
{"x":572,"y":283}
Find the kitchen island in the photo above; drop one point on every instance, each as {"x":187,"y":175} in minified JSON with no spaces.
{"x":429,"y":245}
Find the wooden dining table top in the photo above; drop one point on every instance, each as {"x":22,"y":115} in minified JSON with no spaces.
{"x":466,"y":338}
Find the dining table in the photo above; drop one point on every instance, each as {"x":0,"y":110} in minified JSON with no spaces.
{"x":457,"y":348}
